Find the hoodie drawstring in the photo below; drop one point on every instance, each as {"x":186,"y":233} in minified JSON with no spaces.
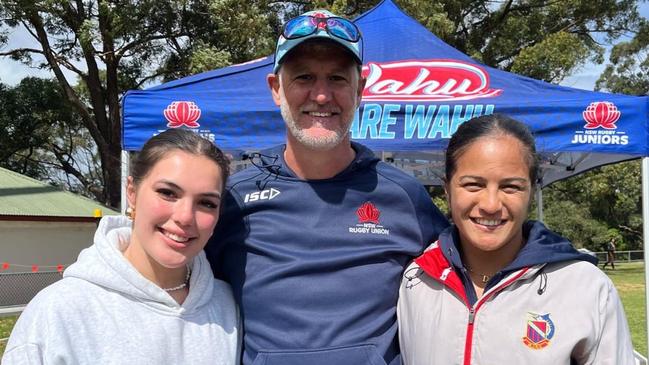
{"x":412,"y":274}
{"x":543,"y":284}
{"x":257,"y":161}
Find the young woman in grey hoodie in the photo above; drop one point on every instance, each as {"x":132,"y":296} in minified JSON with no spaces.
{"x":144,"y":292}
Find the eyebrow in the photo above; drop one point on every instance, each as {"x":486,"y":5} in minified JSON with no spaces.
{"x":506,"y":180}
{"x":210,"y":194}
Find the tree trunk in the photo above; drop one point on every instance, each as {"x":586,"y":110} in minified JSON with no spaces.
{"x":112,"y":178}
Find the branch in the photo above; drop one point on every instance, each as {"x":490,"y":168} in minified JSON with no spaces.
{"x":15,"y":51}
{"x":68,"y":167}
{"x":119,"y":53}
{"x":505,"y":12}
{"x":630,"y":230}
{"x":148,"y":78}
{"x":71,"y":95}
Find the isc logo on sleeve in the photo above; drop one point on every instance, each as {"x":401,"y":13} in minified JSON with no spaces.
{"x":267,"y":194}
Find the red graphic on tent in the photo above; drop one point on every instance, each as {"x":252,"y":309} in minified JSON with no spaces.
{"x":368,"y":213}
{"x":601,"y":114}
{"x":430,"y":80}
{"x":182,"y":113}
{"x":539,"y":331}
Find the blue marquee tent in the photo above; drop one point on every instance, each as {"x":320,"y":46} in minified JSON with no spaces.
{"x":419,"y":90}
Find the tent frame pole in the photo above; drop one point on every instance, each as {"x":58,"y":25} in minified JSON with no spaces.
{"x":124,"y":171}
{"x":645,"y":233}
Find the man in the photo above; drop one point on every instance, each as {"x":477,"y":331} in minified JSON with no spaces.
{"x":314,"y":237}
{"x":610,"y":254}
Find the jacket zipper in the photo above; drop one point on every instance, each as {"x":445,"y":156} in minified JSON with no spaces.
{"x":469,"y":337}
{"x":473,"y":310}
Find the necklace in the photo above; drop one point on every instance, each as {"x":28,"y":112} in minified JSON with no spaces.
{"x":485,"y":278}
{"x":187,"y":276}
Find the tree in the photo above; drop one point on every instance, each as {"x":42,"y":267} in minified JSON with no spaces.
{"x":112,"y":46}
{"x":543,"y":39}
{"x":42,"y":137}
{"x":591,"y":207}
{"x":628,"y":72}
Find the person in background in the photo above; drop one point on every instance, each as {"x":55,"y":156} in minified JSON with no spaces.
{"x":610,"y":254}
{"x":496,"y":288}
{"x":315,"y":236}
{"x":144,"y":292}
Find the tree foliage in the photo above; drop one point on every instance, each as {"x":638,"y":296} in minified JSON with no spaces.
{"x":628,"y":71}
{"x":111,"y":46}
{"x":598,"y":205}
{"x":547,"y":40}
{"x":42,"y":136}
{"x":98,"y":49}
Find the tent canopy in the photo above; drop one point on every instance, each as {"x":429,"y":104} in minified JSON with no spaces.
{"x":419,"y":90}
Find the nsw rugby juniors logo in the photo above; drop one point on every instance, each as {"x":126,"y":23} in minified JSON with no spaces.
{"x":600,"y":128}
{"x":368,"y":220}
{"x":601,"y":114}
{"x":182,"y":113}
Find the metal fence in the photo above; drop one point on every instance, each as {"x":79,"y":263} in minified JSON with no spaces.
{"x":622,"y":256}
{"x":17,"y":289}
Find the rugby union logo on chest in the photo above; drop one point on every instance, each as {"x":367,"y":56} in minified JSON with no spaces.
{"x":368,"y":220}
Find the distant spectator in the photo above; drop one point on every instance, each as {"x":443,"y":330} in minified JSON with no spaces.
{"x":610,"y":254}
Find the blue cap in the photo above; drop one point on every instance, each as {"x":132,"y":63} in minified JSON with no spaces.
{"x":284,"y":46}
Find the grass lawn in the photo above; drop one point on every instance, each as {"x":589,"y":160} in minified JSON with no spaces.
{"x":629,"y":281}
{"x":6,"y":324}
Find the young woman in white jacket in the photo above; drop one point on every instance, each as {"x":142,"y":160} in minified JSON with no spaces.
{"x":496,"y":288}
{"x":144,"y":292}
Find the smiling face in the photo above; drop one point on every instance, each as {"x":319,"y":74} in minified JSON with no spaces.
{"x":177,"y":206}
{"x":489,"y":195}
{"x":318,"y":89}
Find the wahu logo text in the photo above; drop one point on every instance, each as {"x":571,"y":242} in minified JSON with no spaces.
{"x":411,"y":100}
{"x":434,"y":80}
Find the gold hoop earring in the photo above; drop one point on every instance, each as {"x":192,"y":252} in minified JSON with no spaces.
{"x":130,"y":213}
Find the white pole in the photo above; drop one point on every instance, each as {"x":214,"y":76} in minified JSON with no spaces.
{"x":125,"y":166}
{"x":645,"y":234}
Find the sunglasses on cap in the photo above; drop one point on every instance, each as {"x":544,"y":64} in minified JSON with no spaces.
{"x":306,"y":25}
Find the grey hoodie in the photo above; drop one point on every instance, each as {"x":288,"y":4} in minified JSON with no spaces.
{"x":104,"y":311}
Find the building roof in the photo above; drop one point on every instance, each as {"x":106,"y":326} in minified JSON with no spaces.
{"x":23,"y":196}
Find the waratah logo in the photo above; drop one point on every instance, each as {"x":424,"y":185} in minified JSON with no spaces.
{"x":601,"y":114}
{"x":182,"y":113}
{"x":368,"y":213}
{"x":368,"y":221}
{"x":434,"y":80}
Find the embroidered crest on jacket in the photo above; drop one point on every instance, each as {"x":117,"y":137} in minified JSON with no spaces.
{"x":539,"y":331}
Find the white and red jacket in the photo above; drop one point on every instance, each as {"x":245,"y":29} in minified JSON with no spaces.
{"x":549,"y":306}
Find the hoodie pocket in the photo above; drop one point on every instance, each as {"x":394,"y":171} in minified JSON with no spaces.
{"x":349,"y":355}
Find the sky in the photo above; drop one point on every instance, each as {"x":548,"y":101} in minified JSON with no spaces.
{"x":11,"y":72}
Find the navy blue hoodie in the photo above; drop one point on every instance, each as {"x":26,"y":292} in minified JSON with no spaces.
{"x":315,"y":265}
{"x":542,"y":246}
